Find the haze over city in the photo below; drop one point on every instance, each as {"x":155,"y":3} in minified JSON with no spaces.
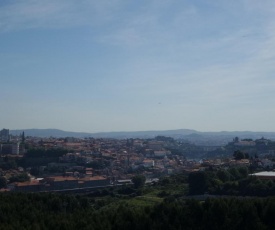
{"x":97,"y":66}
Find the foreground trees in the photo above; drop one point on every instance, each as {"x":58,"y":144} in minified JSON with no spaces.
{"x":53,"y":211}
{"x":3,"y":182}
{"x":234,"y":181}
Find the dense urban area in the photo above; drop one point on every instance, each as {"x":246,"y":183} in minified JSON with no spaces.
{"x":156,"y":183}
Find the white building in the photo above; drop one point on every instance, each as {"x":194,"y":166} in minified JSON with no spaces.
{"x":15,"y":148}
{"x":148,"y":163}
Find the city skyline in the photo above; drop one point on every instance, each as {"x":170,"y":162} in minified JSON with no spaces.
{"x":101,"y":66}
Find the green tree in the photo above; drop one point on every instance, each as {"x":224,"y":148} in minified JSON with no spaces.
{"x":198,"y":182}
{"x":34,"y":171}
{"x":223,"y":175}
{"x":238,"y":155}
{"x":3,"y":182}
{"x":235,"y":174}
{"x":20,"y":178}
{"x":139,"y":181}
{"x":243,"y":171}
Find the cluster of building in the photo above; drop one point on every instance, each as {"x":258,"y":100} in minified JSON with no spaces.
{"x":7,"y":147}
{"x":91,"y":162}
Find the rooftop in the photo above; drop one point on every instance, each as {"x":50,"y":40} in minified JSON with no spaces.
{"x":264,"y":173}
{"x":71,"y":178}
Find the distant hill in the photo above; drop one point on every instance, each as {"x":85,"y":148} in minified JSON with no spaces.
{"x":201,"y":138}
{"x":136,"y":134}
{"x":49,"y":133}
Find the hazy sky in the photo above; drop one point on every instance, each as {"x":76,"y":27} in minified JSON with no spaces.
{"x":122,"y":65}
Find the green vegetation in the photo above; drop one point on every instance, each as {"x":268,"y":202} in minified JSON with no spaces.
{"x":39,"y":156}
{"x":139,"y":181}
{"x":234,"y":181}
{"x":3,"y":182}
{"x":160,"y":205}
{"x":238,"y":155}
{"x":53,"y":211}
{"x":7,"y":163}
{"x":41,"y":152}
{"x":19,"y":178}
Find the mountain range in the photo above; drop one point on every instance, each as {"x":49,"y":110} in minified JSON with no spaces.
{"x":197,"y":137}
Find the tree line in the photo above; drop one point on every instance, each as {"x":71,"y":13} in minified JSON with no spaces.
{"x":235,"y":181}
{"x":54,"y":211}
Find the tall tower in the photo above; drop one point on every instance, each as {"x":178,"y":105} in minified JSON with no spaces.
{"x":23,"y":137}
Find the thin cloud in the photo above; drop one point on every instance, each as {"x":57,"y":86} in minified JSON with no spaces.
{"x":31,"y":14}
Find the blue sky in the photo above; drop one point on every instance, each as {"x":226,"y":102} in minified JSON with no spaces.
{"x":85,"y":65}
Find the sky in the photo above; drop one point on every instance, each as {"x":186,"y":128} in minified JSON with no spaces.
{"x":122,"y":65}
